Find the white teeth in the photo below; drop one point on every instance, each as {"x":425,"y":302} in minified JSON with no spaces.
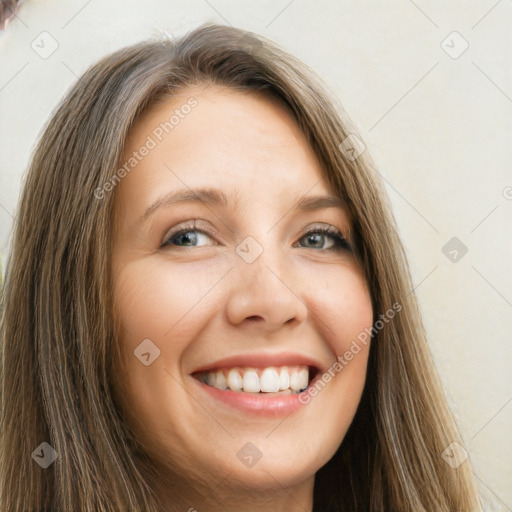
{"x":284,"y":379}
{"x":251,"y":381}
{"x":210,"y":379}
{"x":269,"y":381}
{"x":220,"y":380}
{"x":234,"y":380}
{"x":299,"y":379}
{"x":294,"y":380}
{"x":303,"y":378}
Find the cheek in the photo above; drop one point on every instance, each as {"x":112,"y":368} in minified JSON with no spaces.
{"x":344,"y":316}
{"x":352,"y":316}
{"x":156,"y":301}
{"x":341,"y":303}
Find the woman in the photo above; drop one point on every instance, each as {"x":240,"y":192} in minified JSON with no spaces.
{"x":207,"y":306}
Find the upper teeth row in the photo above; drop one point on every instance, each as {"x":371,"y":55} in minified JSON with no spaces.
{"x":254,"y":380}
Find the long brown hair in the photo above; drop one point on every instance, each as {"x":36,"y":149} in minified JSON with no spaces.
{"x":58,"y":335}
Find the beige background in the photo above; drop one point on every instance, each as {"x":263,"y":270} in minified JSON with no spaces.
{"x":437,"y":122}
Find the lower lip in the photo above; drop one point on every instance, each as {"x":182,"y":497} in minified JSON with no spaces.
{"x":262,"y":404}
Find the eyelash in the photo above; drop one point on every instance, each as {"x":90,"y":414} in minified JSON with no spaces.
{"x":340,"y":242}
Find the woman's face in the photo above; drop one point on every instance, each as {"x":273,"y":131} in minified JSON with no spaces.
{"x":226,"y":289}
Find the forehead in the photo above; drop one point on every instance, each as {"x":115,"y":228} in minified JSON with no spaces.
{"x":210,"y":136}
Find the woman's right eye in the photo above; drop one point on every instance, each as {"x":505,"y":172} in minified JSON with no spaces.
{"x":191,"y":236}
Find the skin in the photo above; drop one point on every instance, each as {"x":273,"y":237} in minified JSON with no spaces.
{"x":199,"y":301}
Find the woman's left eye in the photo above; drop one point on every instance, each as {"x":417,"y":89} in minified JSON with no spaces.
{"x":318,"y":237}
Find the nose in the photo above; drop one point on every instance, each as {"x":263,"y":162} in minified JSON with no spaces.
{"x":265,"y":294}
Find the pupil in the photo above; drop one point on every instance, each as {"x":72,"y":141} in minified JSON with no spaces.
{"x":187,"y":236}
{"x":318,"y":237}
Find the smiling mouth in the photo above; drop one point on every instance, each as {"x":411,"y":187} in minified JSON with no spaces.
{"x":274,"y":380}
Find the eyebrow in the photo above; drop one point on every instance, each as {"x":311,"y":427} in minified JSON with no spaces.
{"x":209,"y":196}
{"x":215,"y":197}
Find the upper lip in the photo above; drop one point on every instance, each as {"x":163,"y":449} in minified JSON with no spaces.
{"x":261,"y":360}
